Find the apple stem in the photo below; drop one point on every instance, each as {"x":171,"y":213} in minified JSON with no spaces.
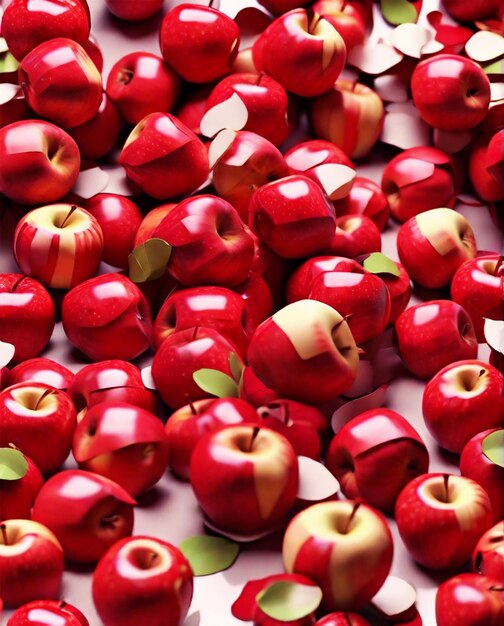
{"x":351,"y":516}
{"x":499,"y":267}
{"x":3,"y":528}
{"x":210,"y":4}
{"x":195,"y":332}
{"x":253,"y":438}
{"x":285,"y":409}
{"x":73,"y":208}
{"x":496,"y":588}
{"x":17,"y":283}
{"x":46,"y":393}
{"x":347,"y":619}
{"x":446,"y":478}
{"x":313,"y":24}
{"x":193,"y":408}
{"x":259,"y":78}
{"x":62,"y":604}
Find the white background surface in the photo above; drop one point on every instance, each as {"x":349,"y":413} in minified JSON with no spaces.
{"x":172,"y":513}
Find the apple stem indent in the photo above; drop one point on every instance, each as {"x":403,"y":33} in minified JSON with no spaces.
{"x":253,"y":438}
{"x":350,"y":517}
{"x":3,"y":529}
{"x":73,"y":208}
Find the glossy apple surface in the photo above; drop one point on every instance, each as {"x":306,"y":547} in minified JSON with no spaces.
{"x":142,"y":578}
{"x":107,"y":317}
{"x":365,"y":198}
{"x":98,"y":512}
{"x":488,"y":555}
{"x":440,"y":518}
{"x":375,"y":455}
{"x":344,"y":547}
{"x":133,"y":11}
{"x":17,"y":496}
{"x":44,"y":371}
{"x":47,"y":613}
{"x":245,"y":478}
{"x":354,"y":235}
{"x":124,"y":443}
{"x":433,"y":334}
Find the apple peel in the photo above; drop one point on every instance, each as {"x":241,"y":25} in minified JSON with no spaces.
{"x":391,"y":88}
{"x":149,"y":260}
{"x":374,"y":58}
{"x":485,"y":46}
{"x":7,"y":351}
{"x":251,"y":22}
{"x":336,"y":179}
{"x":405,"y":130}
{"x":394,"y":598}
{"x":13,"y":464}
{"x":147,"y":379}
{"x":494,"y":334}
{"x":287,"y":601}
{"x":230,"y":114}
{"x":208,"y":554}
{"x":90,"y":182}
{"x":354,"y":407}
{"x":410,"y":39}
{"x":9,"y":92}
{"x":493,"y":447}
{"x":219,"y":146}
{"x":316,"y":482}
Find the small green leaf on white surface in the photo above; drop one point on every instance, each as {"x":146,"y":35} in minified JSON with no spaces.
{"x":208,"y":555}
{"x":316,"y":482}
{"x":216,"y":382}
{"x":230,"y":114}
{"x":493,"y":447}
{"x":148,"y":261}
{"x":7,"y":351}
{"x":398,"y":12}
{"x":13,"y":464}
{"x":378,"y":263}
{"x":8,"y":63}
{"x":496,"y":68}
{"x":287,"y":601}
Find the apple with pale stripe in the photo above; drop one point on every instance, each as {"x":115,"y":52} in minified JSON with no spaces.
{"x":349,"y":115}
{"x":305,"y":352}
{"x":345,"y":547}
{"x":440,"y":518}
{"x":31,"y":562}
{"x":60,"y":245}
{"x":245,"y":478}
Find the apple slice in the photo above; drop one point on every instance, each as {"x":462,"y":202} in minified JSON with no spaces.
{"x":395,"y":599}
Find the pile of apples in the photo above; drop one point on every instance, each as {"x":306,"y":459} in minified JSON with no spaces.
{"x":199,"y":213}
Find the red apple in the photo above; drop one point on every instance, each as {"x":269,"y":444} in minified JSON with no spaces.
{"x":39,"y":420}
{"x":346,"y":548}
{"x":39,"y":162}
{"x":31,"y":562}
{"x":277,"y":7}
{"x":365,"y":198}
{"x":164,"y":158}
{"x":60,"y":245}
{"x":346,"y":286}
{"x":302,"y":425}
{"x":98,"y":136}
{"x":132,"y":10}
{"x":248,"y":163}
{"x":472,"y":12}
{"x":475,"y":464}
{"x":213,"y":307}
{"x":485,"y":185}
{"x":417,"y":180}
{"x":142,"y":579}
{"x":342,"y":619}
{"x":119,"y":219}
{"x":245,"y":478}
{"x":375,"y":455}
{"x":266,"y":101}
{"x":349,"y":115}
{"x":26,"y":315}
{"x":200,"y":43}
{"x":192,"y":106}
{"x":440,"y":518}
{"x":303,"y":52}
{"x":434,"y":334}
{"x":98,"y":512}
{"x":107,"y":317}
{"x":350,"y":19}
{"x":354,"y":235}
{"x":124,"y":443}
{"x":61,"y":82}
{"x":469,"y":599}
{"x":305,"y":352}
{"x":190,"y":423}
{"x":461,"y":400}
{"x":209,"y":242}
{"x":107,"y":381}
{"x":450,"y":92}
{"x":488,"y":555}
{"x":182,"y":354}
{"x":253,"y":390}
{"x":92,"y":48}
{"x":141,"y":83}
{"x":257,"y":295}
{"x":434,"y":244}
{"x":26,"y":24}
{"x":44,"y":371}
{"x":292,"y":216}
{"x":151,"y":221}
{"x":47,"y":613}
{"x":17,"y":495}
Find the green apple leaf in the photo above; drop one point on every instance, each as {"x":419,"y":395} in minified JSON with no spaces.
{"x":496,"y":68}
{"x":493,"y":447}
{"x":398,"y":12}
{"x":8,"y":63}
{"x":236,"y":367}
{"x":215,"y":382}
{"x":287,"y":601}
{"x":148,"y":261}
{"x":208,"y":555}
{"x":13,"y":464}
{"x":378,"y":263}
